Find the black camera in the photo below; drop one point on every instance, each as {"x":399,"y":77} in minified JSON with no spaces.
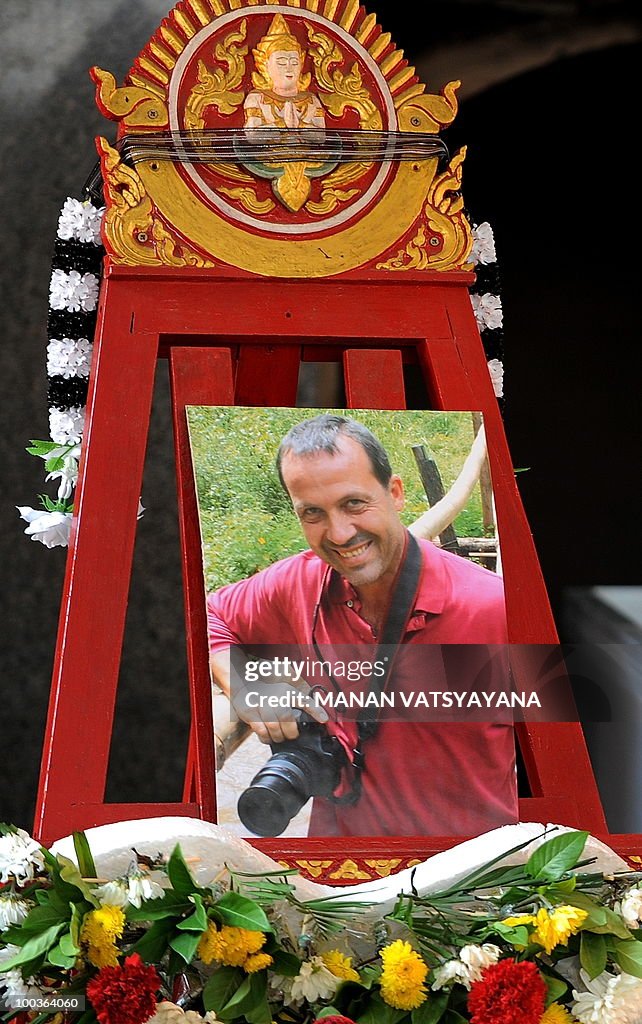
{"x":299,"y":769}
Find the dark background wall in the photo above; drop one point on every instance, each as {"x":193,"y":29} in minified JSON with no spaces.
{"x":549,"y":112}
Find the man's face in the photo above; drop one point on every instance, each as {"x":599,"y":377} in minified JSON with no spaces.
{"x":284,"y":68}
{"x":349,"y":518}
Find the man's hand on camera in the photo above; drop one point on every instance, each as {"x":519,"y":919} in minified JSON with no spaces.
{"x":271,"y":724}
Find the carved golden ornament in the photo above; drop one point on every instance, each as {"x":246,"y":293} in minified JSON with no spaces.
{"x":134,"y":106}
{"x":314,"y":868}
{"x":219,"y":88}
{"x":135,"y":235}
{"x":248,"y":199}
{"x":341,"y":91}
{"x":414,"y":203}
{"x":349,"y":869}
{"x":446,"y":222}
{"x":383,"y":868}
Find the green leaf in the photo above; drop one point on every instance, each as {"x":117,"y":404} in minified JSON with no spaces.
{"x":59,"y":958}
{"x":432,"y":1010}
{"x":378,"y":1012}
{"x":242,"y":913}
{"x":452,"y":1017}
{"x":558,"y":855}
{"x":556,"y":988}
{"x":613,"y":925}
{"x":221,"y":987}
{"x":153,"y":944}
{"x":172,"y":904}
{"x":70,"y":874}
{"x":592,"y":953}
{"x":516,"y":935}
{"x":249,"y":999}
{"x":68,"y":945}
{"x":628,"y":956}
{"x":41,"y":918}
{"x":196,"y":922}
{"x":34,"y":947}
{"x":286,"y":964}
{"x":185,"y":944}
{"x":179,"y":874}
{"x":84,"y":855}
{"x":328,"y":1011}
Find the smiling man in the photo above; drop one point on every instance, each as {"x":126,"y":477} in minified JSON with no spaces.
{"x":415,"y":777}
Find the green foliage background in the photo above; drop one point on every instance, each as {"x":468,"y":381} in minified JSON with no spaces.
{"x":246,"y":518}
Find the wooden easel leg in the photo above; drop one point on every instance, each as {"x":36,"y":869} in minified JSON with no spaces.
{"x":198,"y":376}
{"x":94,"y":603}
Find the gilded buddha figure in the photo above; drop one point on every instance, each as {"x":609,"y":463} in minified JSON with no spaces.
{"x":281,"y":98}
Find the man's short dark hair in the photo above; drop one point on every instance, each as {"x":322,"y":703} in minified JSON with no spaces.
{"x":320,"y":434}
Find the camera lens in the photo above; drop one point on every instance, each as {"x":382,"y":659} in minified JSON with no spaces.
{"x":302,"y":768}
{"x":275,"y":795}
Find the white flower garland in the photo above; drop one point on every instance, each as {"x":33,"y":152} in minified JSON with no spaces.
{"x":73,"y":298}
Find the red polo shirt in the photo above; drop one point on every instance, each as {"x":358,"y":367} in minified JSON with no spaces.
{"x":421,"y":778}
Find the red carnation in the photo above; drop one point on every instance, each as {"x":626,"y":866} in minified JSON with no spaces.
{"x":333,"y":1019}
{"x":124,"y":995}
{"x":508,"y":993}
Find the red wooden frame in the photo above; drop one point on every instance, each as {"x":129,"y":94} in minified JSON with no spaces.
{"x":235,"y":339}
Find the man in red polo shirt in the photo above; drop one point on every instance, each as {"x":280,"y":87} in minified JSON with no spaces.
{"x":420,"y":777}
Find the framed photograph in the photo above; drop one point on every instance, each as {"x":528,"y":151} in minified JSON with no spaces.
{"x":355,"y":600}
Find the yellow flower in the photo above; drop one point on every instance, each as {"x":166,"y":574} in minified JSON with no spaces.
{"x":230,"y":945}
{"x":514,"y":922}
{"x":256,"y":962}
{"x":403,"y":976}
{"x":556,"y":1014}
{"x":555,"y":929}
{"x":100,"y":929}
{"x":340,"y":965}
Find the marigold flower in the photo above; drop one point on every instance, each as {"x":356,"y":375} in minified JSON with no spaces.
{"x":555,"y":929}
{"x":256,"y":962}
{"x":340,"y":965}
{"x":124,"y":995}
{"x":556,"y":1014}
{"x":403,"y":976}
{"x":230,"y":945}
{"x":508,"y":993}
{"x":100,"y":929}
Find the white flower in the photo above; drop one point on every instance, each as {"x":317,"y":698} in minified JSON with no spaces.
{"x":68,"y":476}
{"x":69,"y":357}
{"x":477,"y":958}
{"x":314,"y":981}
{"x":141,"y":887}
{"x":17,"y":988}
{"x":496,"y":370}
{"x":7,"y":953}
{"x":134,"y":887}
{"x":483,"y":250}
{"x":449,"y":973}
{"x":468,"y":968}
{"x":66,"y":425}
{"x":112,"y":894}
{"x":80,"y":221}
{"x":608,"y":999}
{"x":630,"y":907}
{"x":13,"y":909}
{"x":19,"y":855}
{"x":51,"y":528}
{"x":488,"y":311}
{"x":73,"y":291}
{"x":170,"y":1013}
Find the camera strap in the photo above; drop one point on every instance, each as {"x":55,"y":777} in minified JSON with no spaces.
{"x":400,"y":608}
